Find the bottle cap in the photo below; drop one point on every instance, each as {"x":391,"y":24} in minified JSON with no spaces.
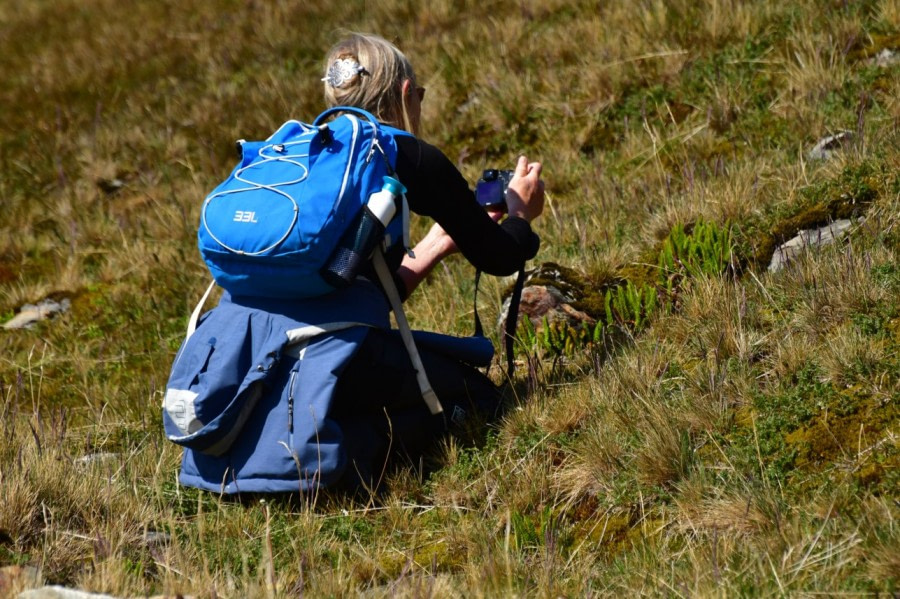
{"x":394,"y":186}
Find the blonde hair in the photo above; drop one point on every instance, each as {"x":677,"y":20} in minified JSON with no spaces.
{"x":378,"y":89}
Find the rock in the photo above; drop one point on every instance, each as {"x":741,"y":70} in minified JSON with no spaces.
{"x":94,"y":459}
{"x":58,"y":592}
{"x":830,"y":144}
{"x":886,"y":58}
{"x":549,"y":292}
{"x":17,"y":578}
{"x":110,"y":186}
{"x":539,"y":300}
{"x":806,"y":239}
{"x":153,"y":538}
{"x":31,"y":313}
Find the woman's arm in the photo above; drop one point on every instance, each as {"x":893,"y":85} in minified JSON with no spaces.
{"x":438,"y":190}
{"x":433,"y":248}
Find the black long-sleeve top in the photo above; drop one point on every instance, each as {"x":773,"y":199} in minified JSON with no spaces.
{"x":435,"y":188}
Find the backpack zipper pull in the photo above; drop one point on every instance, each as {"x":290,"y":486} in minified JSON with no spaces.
{"x":325,"y":134}
{"x":291,"y":403}
{"x":374,"y":146}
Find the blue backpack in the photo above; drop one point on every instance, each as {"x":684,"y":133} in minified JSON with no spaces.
{"x":272,"y":225}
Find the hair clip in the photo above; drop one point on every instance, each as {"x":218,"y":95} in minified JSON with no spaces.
{"x":341,"y":71}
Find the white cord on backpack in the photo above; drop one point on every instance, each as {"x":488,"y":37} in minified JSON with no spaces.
{"x":195,"y":315}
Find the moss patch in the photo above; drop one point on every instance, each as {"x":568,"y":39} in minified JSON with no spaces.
{"x":870,"y":47}
{"x":435,"y":556}
{"x":842,"y":430}
{"x":615,"y":532}
{"x":800,"y":432}
{"x":849,"y":195}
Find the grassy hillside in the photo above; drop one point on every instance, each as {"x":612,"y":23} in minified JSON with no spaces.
{"x":736,"y":433}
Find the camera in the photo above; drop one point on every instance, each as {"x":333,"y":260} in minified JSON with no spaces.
{"x":490,"y":191}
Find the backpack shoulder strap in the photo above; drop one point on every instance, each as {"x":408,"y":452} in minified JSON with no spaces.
{"x":195,"y":315}
{"x":387,"y":282}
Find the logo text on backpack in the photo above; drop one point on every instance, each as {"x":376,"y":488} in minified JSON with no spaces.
{"x":244,"y":216}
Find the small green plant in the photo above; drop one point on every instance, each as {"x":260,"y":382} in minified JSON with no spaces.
{"x":560,"y":337}
{"x":704,"y":250}
{"x":627,"y":307}
{"x":630,"y":305}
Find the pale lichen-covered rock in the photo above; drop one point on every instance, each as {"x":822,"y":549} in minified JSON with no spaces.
{"x":830,"y":144}
{"x":58,"y":592}
{"x":29,"y":314}
{"x":886,"y":58}
{"x":808,"y":238}
{"x":156,"y":539}
{"x":95,"y":459}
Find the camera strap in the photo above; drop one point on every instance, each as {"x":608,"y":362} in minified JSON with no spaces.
{"x":512,"y":317}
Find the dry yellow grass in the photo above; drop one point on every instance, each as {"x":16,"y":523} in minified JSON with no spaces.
{"x":745,"y":442}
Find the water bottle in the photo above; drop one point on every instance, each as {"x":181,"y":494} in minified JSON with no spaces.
{"x":358,"y":243}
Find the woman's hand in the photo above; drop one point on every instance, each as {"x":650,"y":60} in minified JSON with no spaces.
{"x":497,"y":214}
{"x":525,"y":196}
{"x":437,"y":244}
